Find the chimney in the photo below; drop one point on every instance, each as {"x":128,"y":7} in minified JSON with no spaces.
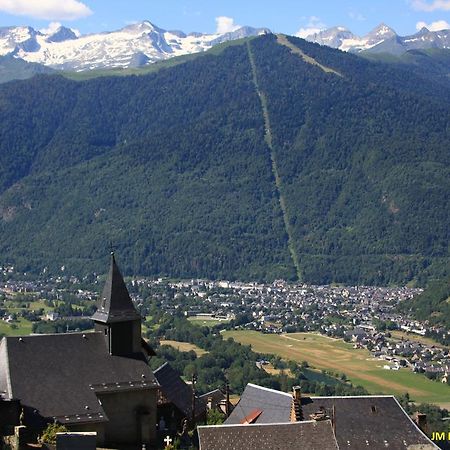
{"x":297,"y":393}
{"x":296,"y":408}
{"x":421,"y":421}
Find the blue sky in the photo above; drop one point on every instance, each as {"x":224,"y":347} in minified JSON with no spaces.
{"x":286,"y":16}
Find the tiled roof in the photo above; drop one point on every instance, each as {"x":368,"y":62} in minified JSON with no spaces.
{"x":176,"y":390}
{"x":58,"y":375}
{"x":287,"y":436}
{"x":372,"y":421}
{"x":275,"y":405}
{"x":375,"y":422}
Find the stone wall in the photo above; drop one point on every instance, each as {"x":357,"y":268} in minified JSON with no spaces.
{"x":132,"y":416}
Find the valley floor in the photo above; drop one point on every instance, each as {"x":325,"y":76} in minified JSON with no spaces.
{"x":357,"y":364}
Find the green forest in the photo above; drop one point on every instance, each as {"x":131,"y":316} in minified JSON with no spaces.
{"x":433,"y":305}
{"x":173,"y":168}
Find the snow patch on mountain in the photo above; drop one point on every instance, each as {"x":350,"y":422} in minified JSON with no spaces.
{"x":134,"y":45}
{"x":382,"y":39}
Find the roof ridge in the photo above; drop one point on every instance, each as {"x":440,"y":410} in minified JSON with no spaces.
{"x":275,"y":391}
{"x":414,"y":424}
{"x":352,"y":396}
{"x":8,"y":374}
{"x":40,"y":335}
{"x":161,"y":366}
{"x":228,"y":425}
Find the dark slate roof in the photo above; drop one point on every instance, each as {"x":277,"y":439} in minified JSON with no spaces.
{"x":115,"y":304}
{"x":178,"y":392}
{"x":293,"y":436}
{"x":375,"y":422}
{"x":58,"y":375}
{"x":372,"y":421}
{"x":275,"y":405}
{"x":216,"y":397}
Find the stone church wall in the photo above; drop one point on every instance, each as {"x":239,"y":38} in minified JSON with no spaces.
{"x":132,"y":416}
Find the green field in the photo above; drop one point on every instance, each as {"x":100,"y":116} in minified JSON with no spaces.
{"x":205,"y":322}
{"x":184,"y":347}
{"x":338,"y":356}
{"x":23,"y":327}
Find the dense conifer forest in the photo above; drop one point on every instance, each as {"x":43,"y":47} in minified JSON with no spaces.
{"x":174,"y":168}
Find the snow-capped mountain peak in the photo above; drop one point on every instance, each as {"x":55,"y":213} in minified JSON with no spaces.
{"x":134,"y":45}
{"x":332,"y":37}
{"x":142,"y":27}
{"x":381,"y":39}
{"x":382,"y":30}
{"x":61,"y":34}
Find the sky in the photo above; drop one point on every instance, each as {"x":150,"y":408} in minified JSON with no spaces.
{"x":281,"y":16}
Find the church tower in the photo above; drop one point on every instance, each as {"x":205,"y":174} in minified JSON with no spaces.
{"x":116,"y":316}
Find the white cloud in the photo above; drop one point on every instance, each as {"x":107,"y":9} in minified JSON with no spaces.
{"x":435,"y":5}
{"x":314,"y":25}
{"x":433,"y":26}
{"x":46,"y":9}
{"x":53,"y":27}
{"x":305,"y":32}
{"x":226,"y":25}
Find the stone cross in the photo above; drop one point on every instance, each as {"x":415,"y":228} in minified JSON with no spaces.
{"x":168,"y":440}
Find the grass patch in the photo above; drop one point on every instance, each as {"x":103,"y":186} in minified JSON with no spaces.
{"x":270,"y":369}
{"x":205,"y":322}
{"x":24,"y":327}
{"x":185,"y":347}
{"x":338,"y":356}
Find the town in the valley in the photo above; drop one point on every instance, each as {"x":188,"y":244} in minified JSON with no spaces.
{"x":105,"y":394}
{"x":366,"y":316}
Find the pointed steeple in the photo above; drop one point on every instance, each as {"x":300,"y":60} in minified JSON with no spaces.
{"x":115,"y":304}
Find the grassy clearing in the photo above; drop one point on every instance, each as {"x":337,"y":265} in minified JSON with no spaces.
{"x":270,"y":369}
{"x":338,"y":356}
{"x":185,"y":347}
{"x":40,"y":304}
{"x":23,"y":327}
{"x":205,"y":322}
{"x":283,"y":40}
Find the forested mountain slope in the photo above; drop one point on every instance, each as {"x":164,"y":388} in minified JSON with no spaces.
{"x":344,"y":178}
{"x":16,"y":69}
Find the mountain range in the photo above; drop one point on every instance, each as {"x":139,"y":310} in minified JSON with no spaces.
{"x":269,"y":158}
{"x":382,"y":39}
{"x":135,"y":45}
{"x":143,"y":43}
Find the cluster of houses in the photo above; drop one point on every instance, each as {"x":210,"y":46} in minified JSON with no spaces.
{"x":350,"y":313}
{"x":432,"y":360}
{"x":100,"y":387}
